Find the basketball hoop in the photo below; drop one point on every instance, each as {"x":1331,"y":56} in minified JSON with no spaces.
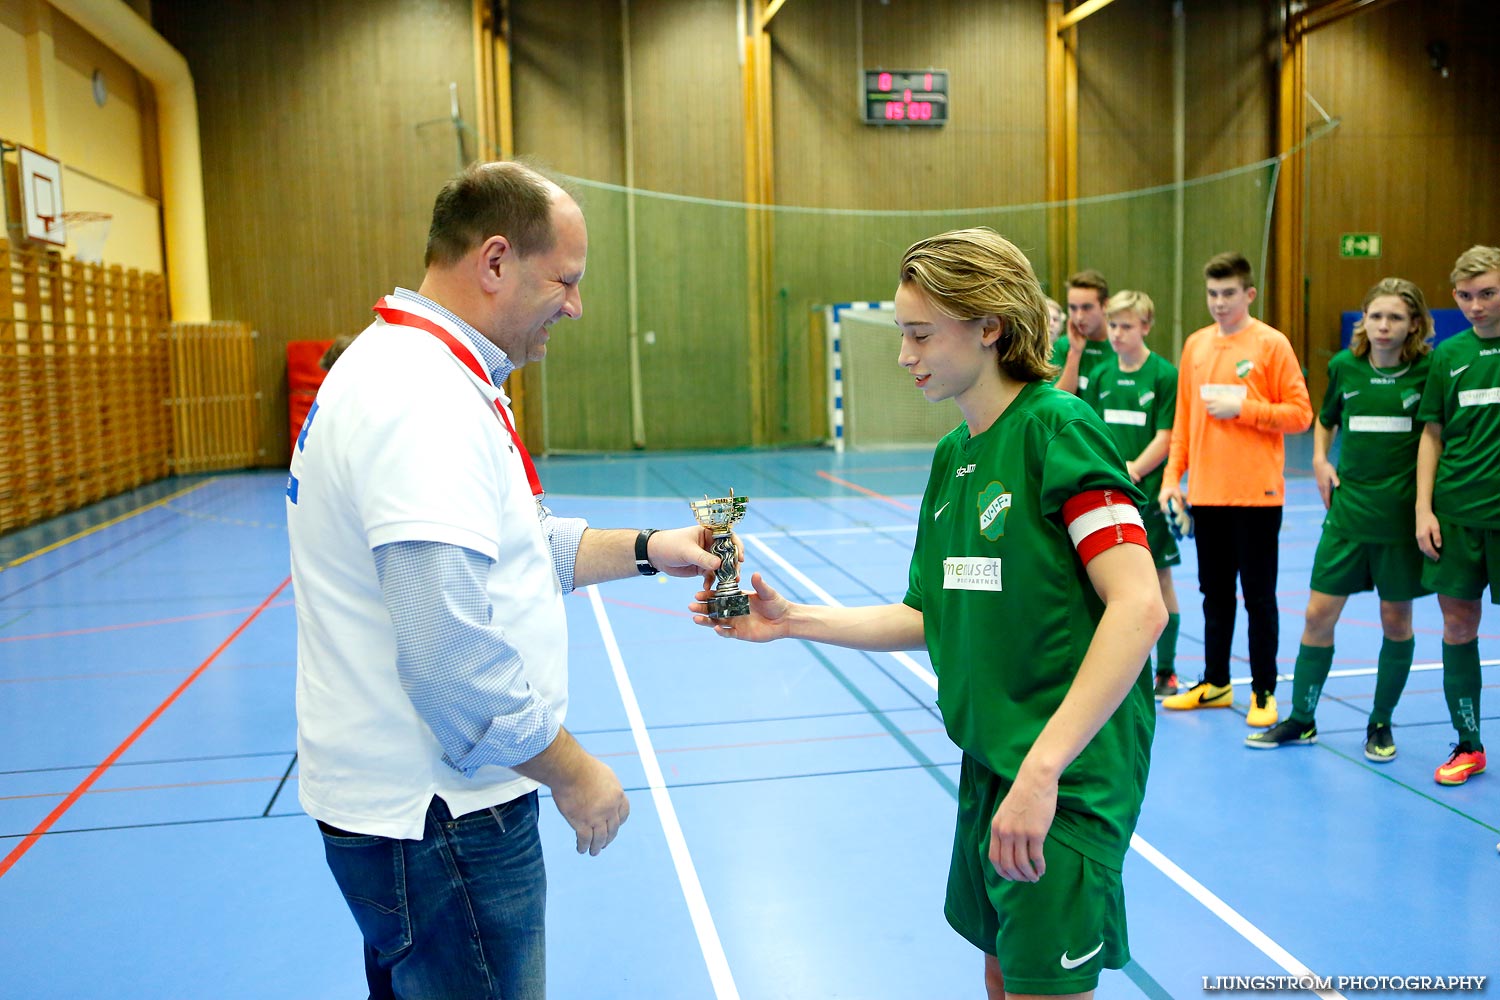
{"x":86,"y":232}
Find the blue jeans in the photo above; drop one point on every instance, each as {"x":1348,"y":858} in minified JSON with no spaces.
{"x":456,"y":915}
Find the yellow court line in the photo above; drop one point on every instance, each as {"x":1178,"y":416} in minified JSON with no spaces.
{"x":100,"y":527}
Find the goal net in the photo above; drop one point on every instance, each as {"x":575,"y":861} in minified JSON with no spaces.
{"x":873,"y":403}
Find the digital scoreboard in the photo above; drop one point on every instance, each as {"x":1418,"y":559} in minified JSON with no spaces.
{"x":906,"y":96}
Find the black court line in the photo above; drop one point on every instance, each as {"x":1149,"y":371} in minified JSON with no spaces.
{"x":282,"y":784}
{"x":149,"y":763}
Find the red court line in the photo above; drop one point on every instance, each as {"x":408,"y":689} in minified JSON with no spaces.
{"x":145,"y":624}
{"x":31,"y":838}
{"x":868,"y":493}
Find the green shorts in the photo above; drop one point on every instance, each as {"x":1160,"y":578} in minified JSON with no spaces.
{"x":1343,"y":566}
{"x":1159,"y":537}
{"x":1051,"y":936}
{"x":1470,"y":562}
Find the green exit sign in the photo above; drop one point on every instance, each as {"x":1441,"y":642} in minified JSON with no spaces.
{"x":1359,"y":245}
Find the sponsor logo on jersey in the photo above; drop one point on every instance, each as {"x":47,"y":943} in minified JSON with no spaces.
{"x":1147,"y":397}
{"x":1244,"y":368}
{"x":1488,"y":351}
{"x":1127,"y":381}
{"x":971,"y":573}
{"x":1382,"y":381}
{"x":1083,"y":381}
{"x":964,"y":470}
{"x":994,"y":505}
{"x":1455,"y":373}
{"x":1351,"y":394}
{"x":1479,"y":397}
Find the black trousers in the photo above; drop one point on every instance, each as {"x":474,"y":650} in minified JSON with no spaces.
{"x":1238,"y":542}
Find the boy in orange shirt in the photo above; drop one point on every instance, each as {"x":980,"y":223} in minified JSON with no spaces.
{"x":1239,"y":391}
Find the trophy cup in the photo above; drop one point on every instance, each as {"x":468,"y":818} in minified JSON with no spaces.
{"x":718,"y":515}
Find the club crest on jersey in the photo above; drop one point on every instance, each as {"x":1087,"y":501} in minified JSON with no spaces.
{"x":1244,"y":368}
{"x":994,"y":505}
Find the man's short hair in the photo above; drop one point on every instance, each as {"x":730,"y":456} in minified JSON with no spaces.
{"x":1475,"y":261}
{"x":491,"y":199}
{"x":1231,"y":264}
{"x":1090,"y":278}
{"x":1128,"y":300}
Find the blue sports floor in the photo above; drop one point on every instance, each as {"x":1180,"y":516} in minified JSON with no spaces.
{"x":792,"y":805}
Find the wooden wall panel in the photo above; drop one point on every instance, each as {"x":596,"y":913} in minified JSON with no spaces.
{"x":1415,"y":158}
{"x":318,"y":182}
{"x":991,"y":152}
{"x":1232,"y":53}
{"x":683,"y":105}
{"x":1125,"y":109}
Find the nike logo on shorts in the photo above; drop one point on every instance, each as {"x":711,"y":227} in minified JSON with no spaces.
{"x":1073,"y":963}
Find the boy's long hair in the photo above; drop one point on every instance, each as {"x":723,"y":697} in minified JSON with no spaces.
{"x":1416,"y":343}
{"x":971,"y":273}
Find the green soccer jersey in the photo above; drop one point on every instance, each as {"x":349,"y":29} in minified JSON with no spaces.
{"x":1095,"y":354}
{"x":1136,"y":405}
{"x":1008,"y":609}
{"x":1463,"y":394}
{"x":1376,"y":414}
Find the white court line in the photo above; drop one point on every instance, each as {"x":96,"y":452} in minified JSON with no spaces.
{"x":1362,"y":671}
{"x":1227,"y":913}
{"x":923,"y":674}
{"x":1162,"y":863}
{"x":692,"y":889}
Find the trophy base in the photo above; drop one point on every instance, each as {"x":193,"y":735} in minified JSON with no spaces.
{"x":729,"y":606}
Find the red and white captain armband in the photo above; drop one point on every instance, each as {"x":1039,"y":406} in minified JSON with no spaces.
{"x":1101,"y":519}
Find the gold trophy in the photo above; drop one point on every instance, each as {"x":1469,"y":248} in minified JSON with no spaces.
{"x":718,"y":515}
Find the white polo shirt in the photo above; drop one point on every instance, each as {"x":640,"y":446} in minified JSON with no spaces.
{"x":405,"y":445}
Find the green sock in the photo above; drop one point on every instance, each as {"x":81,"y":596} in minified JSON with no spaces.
{"x":1313,"y":664}
{"x":1390,"y":678}
{"x":1166,"y":646}
{"x":1461,"y":683}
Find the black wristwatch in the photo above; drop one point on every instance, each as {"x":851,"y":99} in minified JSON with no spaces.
{"x":642,"y":561}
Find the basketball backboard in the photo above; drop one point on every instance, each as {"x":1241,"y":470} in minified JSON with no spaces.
{"x":42,"y":197}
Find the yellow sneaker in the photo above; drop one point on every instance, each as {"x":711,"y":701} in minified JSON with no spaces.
{"x":1262,"y":714}
{"x":1201,"y":695}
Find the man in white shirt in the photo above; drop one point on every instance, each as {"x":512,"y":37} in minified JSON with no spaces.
{"x":432,"y":645}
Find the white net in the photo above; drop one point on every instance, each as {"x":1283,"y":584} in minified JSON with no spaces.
{"x":882,"y":408}
{"x":86,"y":233}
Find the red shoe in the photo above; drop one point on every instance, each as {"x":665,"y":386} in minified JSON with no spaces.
{"x":1464,"y":764}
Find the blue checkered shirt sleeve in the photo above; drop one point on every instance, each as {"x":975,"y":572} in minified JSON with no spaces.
{"x":563,"y":535}
{"x":455,"y":664}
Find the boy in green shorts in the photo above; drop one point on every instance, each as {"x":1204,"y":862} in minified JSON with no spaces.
{"x":1083,"y":346}
{"x":1030,"y":528}
{"x":1458,"y":494}
{"x":1368,"y":539}
{"x":1135,"y":391}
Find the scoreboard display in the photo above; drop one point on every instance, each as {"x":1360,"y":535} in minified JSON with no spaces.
{"x":906,"y":97}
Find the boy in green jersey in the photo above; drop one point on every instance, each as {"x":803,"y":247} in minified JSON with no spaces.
{"x":1135,"y":392}
{"x":1029,"y":528}
{"x":1458,"y":494}
{"x":1368,"y":539}
{"x":1083,"y":347}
